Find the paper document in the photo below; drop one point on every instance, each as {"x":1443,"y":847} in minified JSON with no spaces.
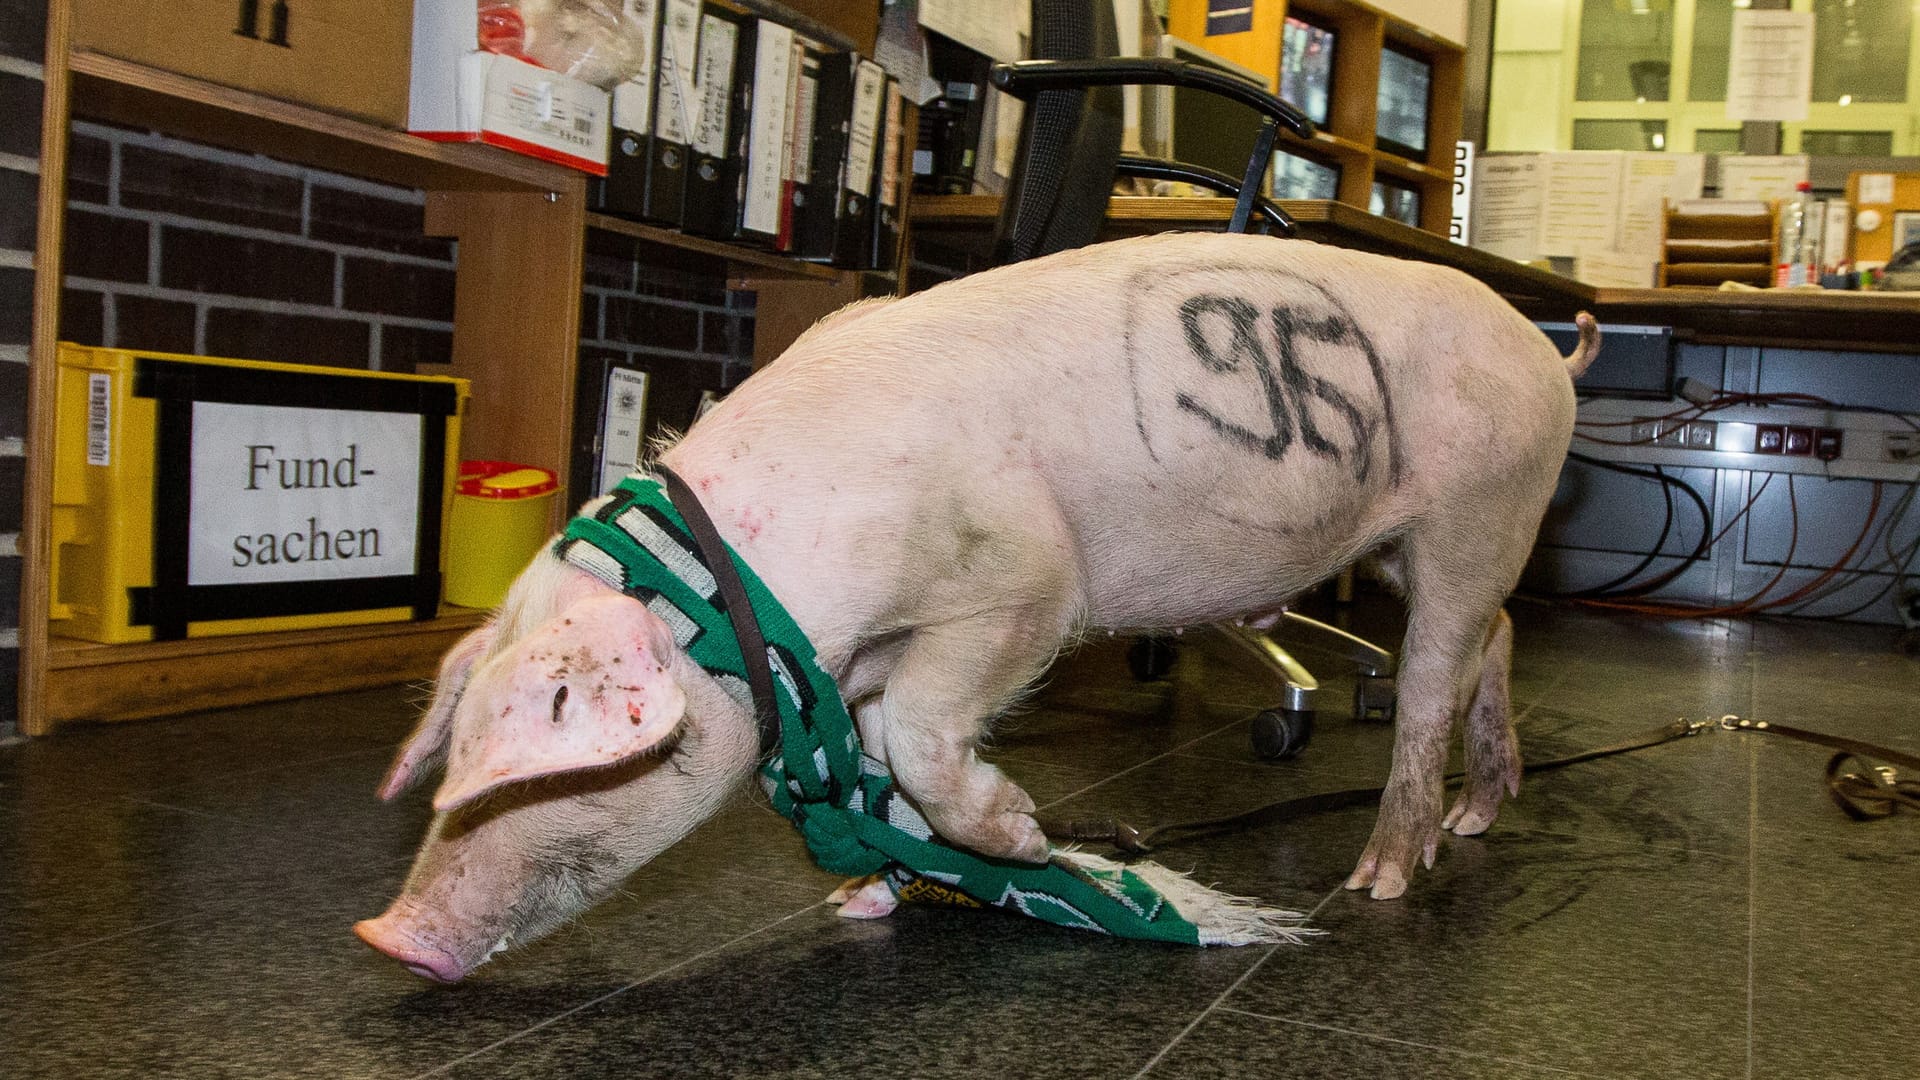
{"x":1744,"y":177}
{"x":1651,"y":181}
{"x":997,"y":28}
{"x":1770,"y":65}
{"x":1580,"y":201}
{"x":1506,"y":205}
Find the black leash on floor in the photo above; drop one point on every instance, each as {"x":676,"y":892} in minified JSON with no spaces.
{"x":1867,"y":792}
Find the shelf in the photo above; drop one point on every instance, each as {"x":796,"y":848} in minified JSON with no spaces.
{"x":86,"y":681}
{"x":140,"y":96}
{"x":741,"y":261}
{"x":952,"y":217}
{"x":1393,"y":165}
{"x":1341,"y":147}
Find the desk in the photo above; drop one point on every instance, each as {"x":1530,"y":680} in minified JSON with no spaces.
{"x":1865,"y":322}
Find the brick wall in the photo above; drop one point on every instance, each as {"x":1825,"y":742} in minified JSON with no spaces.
{"x":178,"y":247}
{"x":174,"y":246}
{"x":686,"y":331}
{"x":22,"y":46}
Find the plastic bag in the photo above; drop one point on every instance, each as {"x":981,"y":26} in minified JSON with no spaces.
{"x":590,"y":40}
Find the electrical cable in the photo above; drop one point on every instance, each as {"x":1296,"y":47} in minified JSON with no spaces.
{"x":1668,"y":483}
{"x":1831,"y":582}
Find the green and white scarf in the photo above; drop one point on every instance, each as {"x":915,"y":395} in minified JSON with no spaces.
{"x":844,"y":802}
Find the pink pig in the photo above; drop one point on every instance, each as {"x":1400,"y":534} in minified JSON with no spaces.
{"x":1158,"y":432}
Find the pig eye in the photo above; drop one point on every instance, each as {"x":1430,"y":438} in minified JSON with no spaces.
{"x":559,"y":702}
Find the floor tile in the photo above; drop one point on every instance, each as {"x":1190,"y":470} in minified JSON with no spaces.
{"x":1234,"y":1043}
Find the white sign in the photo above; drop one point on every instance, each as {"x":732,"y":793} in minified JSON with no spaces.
{"x":1580,"y":202}
{"x":622,"y":425}
{"x":282,"y":494}
{"x":1506,"y":206}
{"x":1458,"y":229}
{"x":1770,"y":65}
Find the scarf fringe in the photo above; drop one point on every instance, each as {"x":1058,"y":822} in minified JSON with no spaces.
{"x":1221,"y":918}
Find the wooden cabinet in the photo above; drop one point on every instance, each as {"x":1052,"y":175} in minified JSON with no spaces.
{"x":521,"y":226}
{"x":1349,"y":137}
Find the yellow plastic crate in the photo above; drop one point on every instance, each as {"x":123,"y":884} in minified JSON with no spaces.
{"x":196,"y":496}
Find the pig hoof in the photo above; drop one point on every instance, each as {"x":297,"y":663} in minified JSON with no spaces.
{"x":1467,"y":818}
{"x":849,"y":887}
{"x":872,"y":900}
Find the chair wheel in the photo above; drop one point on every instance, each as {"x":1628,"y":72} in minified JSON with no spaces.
{"x":1150,"y":658}
{"x":1374,"y":698}
{"x":1279,"y":734}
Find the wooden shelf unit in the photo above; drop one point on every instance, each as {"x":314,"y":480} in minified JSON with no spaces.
{"x":1348,"y":138}
{"x":521,"y":226}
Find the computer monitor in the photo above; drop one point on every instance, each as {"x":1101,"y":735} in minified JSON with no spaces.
{"x":1194,"y":126}
{"x":1406,"y":88}
{"x":1396,"y":200}
{"x":1306,"y":66}
{"x":1299,"y":177}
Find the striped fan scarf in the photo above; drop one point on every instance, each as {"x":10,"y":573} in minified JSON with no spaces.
{"x":843,"y":801}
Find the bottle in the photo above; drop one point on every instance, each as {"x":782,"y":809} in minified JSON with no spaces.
{"x":1796,"y":253}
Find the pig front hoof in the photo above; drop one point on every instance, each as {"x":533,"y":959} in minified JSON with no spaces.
{"x":1010,"y":833}
{"x":865,"y":898}
{"x":1014,"y":836}
{"x":1386,"y":867}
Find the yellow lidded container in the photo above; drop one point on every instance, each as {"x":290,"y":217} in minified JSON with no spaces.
{"x":499,"y":523}
{"x":197,"y":496}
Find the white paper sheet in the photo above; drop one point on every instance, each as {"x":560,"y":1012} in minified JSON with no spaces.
{"x":994,"y":27}
{"x":1760,"y":177}
{"x":1770,"y":65}
{"x":1651,"y":180}
{"x":1506,"y":205}
{"x":1615,"y":269}
{"x":1580,"y":201}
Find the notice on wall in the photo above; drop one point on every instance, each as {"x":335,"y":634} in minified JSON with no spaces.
{"x":1580,"y":202}
{"x":1761,"y":177}
{"x":1770,"y":65}
{"x":1649,"y":182}
{"x":1506,"y":205}
{"x":283,"y":494}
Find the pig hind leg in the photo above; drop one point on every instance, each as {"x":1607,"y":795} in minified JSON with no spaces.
{"x":1492,"y":751}
{"x":953,"y":678}
{"x":1454,"y":592}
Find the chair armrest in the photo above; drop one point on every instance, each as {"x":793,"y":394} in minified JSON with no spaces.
{"x":1025,"y":78}
{"x":1158,"y":169}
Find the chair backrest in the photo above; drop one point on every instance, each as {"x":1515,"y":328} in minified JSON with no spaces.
{"x":1069,"y":140}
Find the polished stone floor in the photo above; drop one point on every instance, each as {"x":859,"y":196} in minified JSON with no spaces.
{"x":175,"y":899}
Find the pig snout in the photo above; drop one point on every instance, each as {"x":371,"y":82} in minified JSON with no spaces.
{"x":409,"y":933}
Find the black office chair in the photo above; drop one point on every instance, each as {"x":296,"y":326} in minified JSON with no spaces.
{"x":1068,"y":157}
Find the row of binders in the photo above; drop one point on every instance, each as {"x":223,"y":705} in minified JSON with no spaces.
{"x":739,"y":129}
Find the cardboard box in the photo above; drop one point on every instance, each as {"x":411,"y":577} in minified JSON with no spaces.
{"x":460,"y":93}
{"x":344,"y":56}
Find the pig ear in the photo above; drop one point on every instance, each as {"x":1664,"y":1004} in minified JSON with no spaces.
{"x":592,"y":687}
{"x":428,"y":742}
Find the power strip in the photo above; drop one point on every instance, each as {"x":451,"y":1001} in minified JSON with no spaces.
{"x":1808,"y":441}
